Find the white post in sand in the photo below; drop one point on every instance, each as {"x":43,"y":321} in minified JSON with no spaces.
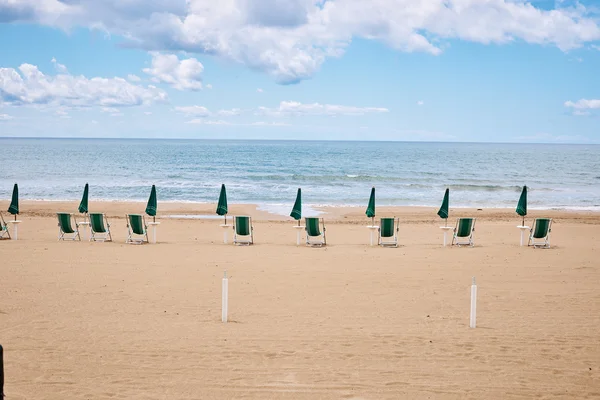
{"x":225,"y":230}
{"x":224,"y":296}
{"x":15,"y":228}
{"x":446,"y":229}
{"x":473,"y":320}
{"x":372,"y":229}
{"x":298,"y":232}
{"x":153,"y":225}
{"x":523,"y":228}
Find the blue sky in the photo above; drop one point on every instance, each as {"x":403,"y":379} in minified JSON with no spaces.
{"x":457,"y":70}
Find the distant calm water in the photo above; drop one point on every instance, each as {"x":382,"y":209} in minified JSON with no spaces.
{"x":332,"y":173}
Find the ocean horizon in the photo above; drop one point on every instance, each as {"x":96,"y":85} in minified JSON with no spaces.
{"x":330,"y":173}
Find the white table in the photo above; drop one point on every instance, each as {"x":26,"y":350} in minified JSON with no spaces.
{"x":446,"y":229}
{"x":523,"y":229}
{"x":15,"y":234}
{"x":225,"y":230}
{"x":87,"y":224}
{"x":372,"y":229}
{"x":153,"y":225}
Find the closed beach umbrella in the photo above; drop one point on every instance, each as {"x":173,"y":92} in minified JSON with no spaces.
{"x":443,"y":211}
{"x":222,"y":206}
{"x":152,"y":204}
{"x":522,"y":205}
{"x":297,"y":209}
{"x":14,"y":203}
{"x":371,"y":207}
{"x":83,"y":206}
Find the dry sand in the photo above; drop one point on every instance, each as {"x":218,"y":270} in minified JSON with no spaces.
{"x":81,"y":320}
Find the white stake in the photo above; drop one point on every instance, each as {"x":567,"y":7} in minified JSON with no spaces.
{"x":473,"y":321}
{"x":224,"y":297}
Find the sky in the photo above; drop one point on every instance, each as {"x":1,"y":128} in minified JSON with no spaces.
{"x":409,"y":70}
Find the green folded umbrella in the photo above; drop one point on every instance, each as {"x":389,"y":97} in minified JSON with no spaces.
{"x":371,"y":207}
{"x":297,"y":209}
{"x":83,"y":206}
{"x":443,"y":211}
{"x":152,"y":204}
{"x":14,"y":203}
{"x":222,"y":206}
{"x":522,"y":205}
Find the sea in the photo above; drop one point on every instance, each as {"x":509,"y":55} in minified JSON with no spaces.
{"x":332,"y":173}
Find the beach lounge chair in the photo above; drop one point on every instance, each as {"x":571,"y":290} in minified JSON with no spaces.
{"x":314,"y":236}
{"x":4,"y":233}
{"x":99,"y":230}
{"x":388,"y":232}
{"x":539,"y":235}
{"x":65,"y":228}
{"x":243,"y":230}
{"x":463,"y":232}
{"x":137,"y":230}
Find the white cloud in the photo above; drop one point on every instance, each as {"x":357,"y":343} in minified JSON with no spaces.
{"x":291,"y":39}
{"x":580,"y":113}
{"x":583,"y":104}
{"x":208,"y":86}
{"x":110,"y":110}
{"x":295,"y":108}
{"x":263,"y":123}
{"x":230,"y":113}
{"x":196,"y":111}
{"x":420,"y":102}
{"x":5,"y":117}
{"x":207,"y":122}
{"x":259,"y":90}
{"x":29,"y":86}
{"x":94,"y":122}
{"x":595,"y":47}
{"x":181,"y":75}
{"x":147,"y":112}
{"x":60,"y":68}
{"x":133,"y":78}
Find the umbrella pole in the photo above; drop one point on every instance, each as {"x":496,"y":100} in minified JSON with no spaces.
{"x":446,"y":221}
{"x":372,"y":221}
{"x":154,"y":218}
{"x":225,"y":219}
{"x":523,"y":223}
{"x":15,"y":217}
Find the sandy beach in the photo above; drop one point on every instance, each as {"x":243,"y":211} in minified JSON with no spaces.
{"x":81,"y":320}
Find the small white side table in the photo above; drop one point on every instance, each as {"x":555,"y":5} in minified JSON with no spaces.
{"x":446,"y":229}
{"x":298,"y":229}
{"x":87,"y":229}
{"x":523,"y":228}
{"x":225,"y":230}
{"x":154,"y":225}
{"x":372,"y":229}
{"x":15,"y":234}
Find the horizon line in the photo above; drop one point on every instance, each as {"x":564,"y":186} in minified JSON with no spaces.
{"x":290,"y":140}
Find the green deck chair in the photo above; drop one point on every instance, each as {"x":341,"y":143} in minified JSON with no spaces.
{"x":540,"y":233}
{"x":463,"y":232}
{"x":388,"y":232}
{"x":4,"y":233}
{"x":65,"y":228}
{"x":314,"y":236}
{"x":137,"y":230}
{"x":99,"y":230}
{"x":243,"y":231}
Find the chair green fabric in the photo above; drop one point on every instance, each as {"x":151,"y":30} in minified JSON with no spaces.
{"x":4,"y":232}
{"x":540,"y":233}
{"x":66,"y":228}
{"x":242,"y":226}
{"x":463,"y":232}
{"x":99,"y":230}
{"x":314,"y":236}
{"x":137,"y":230}
{"x":388,"y":229}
